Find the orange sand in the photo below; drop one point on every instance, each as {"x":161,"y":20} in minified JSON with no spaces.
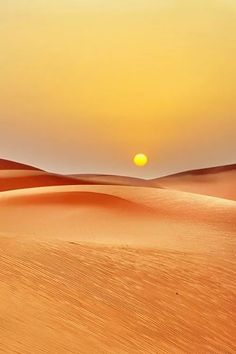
{"x":219,"y":182}
{"x":115,"y":269}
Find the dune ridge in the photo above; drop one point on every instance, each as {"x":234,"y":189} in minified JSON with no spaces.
{"x":218,"y":181}
{"x":120,"y":215}
{"x":13,"y":165}
{"x":22,"y":179}
{"x":113,"y":180}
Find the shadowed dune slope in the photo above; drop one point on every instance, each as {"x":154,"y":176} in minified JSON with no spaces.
{"x":12,"y":165}
{"x":20,"y":179}
{"x":218,"y":181}
{"x":118,"y":215}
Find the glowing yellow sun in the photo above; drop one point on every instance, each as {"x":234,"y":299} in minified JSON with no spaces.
{"x":140,"y":160}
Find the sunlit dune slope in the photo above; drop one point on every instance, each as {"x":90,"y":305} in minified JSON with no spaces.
{"x":70,"y":298}
{"x":218,"y":181}
{"x":118,"y":215}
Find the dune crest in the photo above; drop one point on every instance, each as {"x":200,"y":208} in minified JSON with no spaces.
{"x":22,"y":179}
{"x":216,"y":181}
{"x":12,"y":165}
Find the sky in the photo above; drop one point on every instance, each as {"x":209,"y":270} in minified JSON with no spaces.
{"x":86,"y":84}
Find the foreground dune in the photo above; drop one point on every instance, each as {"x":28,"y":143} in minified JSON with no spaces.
{"x":13,"y":165}
{"x":70,"y":298}
{"x":217,"y":181}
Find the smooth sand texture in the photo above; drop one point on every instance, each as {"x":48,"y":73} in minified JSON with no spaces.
{"x":219,"y":182}
{"x":108,"y":269}
{"x":135,"y":216}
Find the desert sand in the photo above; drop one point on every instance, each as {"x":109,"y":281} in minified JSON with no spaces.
{"x":20,"y":179}
{"x":113,"y":180}
{"x":115,"y":269}
{"x":217,"y":182}
{"x":14,"y":175}
{"x":13,"y":165}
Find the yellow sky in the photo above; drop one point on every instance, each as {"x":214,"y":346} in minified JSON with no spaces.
{"x":85,"y":84}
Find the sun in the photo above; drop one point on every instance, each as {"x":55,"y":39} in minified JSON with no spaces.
{"x":140,"y":160}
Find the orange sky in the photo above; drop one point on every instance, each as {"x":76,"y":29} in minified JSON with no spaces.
{"x":86,"y":84}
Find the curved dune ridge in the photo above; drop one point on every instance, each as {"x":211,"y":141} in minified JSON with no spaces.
{"x":118,"y":215}
{"x":90,"y":266}
{"x":12,"y":165}
{"x":112,"y":180}
{"x":15,"y":175}
{"x":77,"y":198}
{"x":21,"y":179}
{"x":216,"y":181}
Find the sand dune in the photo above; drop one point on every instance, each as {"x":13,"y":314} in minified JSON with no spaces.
{"x":218,"y":181}
{"x":113,"y":180}
{"x":14,"y":175}
{"x":12,"y":165}
{"x":115,"y":269}
{"x":135,"y":216}
{"x":20,"y":179}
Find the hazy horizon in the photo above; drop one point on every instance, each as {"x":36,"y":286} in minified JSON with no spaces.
{"x":86,"y":85}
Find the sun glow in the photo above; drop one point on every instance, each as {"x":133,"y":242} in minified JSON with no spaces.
{"x":140,"y":160}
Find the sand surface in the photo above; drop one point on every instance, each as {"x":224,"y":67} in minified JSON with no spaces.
{"x":114,"y":269}
{"x":218,"y":182}
{"x":20,"y":179}
{"x":113,"y":180}
{"x":72,"y":298}
{"x":119,"y":215}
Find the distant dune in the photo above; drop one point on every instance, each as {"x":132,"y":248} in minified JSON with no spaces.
{"x":217,"y":181}
{"x":14,"y":175}
{"x":115,"y":265}
{"x":112,"y":180}
{"x":12,"y":165}
{"x":11,"y":179}
{"x":27,"y":179}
